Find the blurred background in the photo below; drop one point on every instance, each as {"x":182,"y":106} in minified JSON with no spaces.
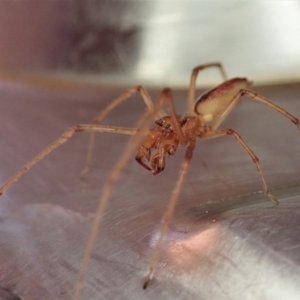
{"x":151,"y":42}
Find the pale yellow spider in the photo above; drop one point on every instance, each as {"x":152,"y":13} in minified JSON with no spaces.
{"x":202,"y":120}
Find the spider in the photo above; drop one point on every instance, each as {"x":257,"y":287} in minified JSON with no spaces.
{"x":202,"y":120}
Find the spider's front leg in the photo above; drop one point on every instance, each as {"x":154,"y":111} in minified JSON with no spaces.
{"x":61,"y":140}
{"x":109,"y":108}
{"x":163,"y":139}
{"x":170,"y":210}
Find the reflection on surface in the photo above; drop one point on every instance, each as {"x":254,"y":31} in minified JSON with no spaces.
{"x":187,"y":251}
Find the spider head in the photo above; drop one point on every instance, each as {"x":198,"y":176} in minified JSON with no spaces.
{"x":160,"y":142}
{"x":167,"y":123}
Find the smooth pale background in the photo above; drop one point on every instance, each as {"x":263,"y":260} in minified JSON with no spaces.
{"x":61,"y":63}
{"x":153,"y":42}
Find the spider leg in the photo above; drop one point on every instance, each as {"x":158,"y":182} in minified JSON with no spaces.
{"x":166,"y":97}
{"x":143,"y":125}
{"x":122,"y":98}
{"x":216,"y":123}
{"x":146,"y":148}
{"x":192,"y":87}
{"x":255,"y":159}
{"x":62,"y":139}
{"x":169,"y":211}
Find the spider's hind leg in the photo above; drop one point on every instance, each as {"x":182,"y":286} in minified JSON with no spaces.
{"x":254,"y":96}
{"x":255,"y":159}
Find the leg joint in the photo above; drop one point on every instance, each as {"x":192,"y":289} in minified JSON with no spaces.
{"x":78,"y":128}
{"x":230,"y":131}
{"x":242,"y":92}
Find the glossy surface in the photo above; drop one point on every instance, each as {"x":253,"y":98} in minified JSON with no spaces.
{"x":221,"y":243}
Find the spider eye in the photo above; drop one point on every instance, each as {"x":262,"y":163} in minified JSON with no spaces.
{"x":183,"y":121}
{"x":168,"y":126}
{"x":160,"y":122}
